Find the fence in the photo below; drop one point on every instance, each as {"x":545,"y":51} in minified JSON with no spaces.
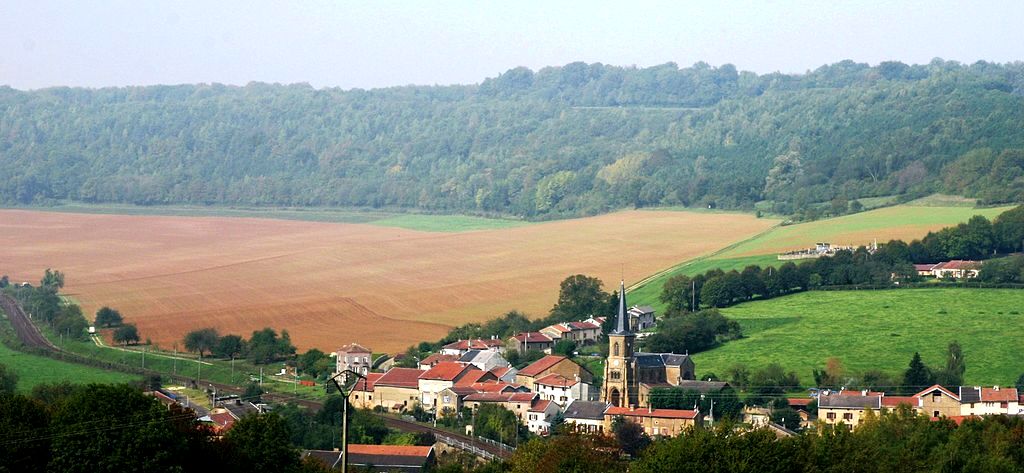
{"x":459,"y":444}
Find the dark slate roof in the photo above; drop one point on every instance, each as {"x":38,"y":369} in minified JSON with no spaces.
{"x":703,"y":386}
{"x":850,"y":402}
{"x":969,"y":394}
{"x":643,"y":309}
{"x":655,"y":360}
{"x":591,"y":410}
{"x":469,"y":356}
{"x":621,"y":327}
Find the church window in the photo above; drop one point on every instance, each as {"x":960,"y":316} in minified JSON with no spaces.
{"x":615,"y":349}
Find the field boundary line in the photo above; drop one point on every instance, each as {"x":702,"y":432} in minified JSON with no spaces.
{"x":700,"y":258}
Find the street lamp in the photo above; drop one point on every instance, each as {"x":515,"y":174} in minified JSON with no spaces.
{"x":346,"y":382}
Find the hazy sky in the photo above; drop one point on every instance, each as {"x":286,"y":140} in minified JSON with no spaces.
{"x":374,"y":43}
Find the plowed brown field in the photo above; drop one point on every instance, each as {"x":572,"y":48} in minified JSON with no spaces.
{"x":330,"y":284}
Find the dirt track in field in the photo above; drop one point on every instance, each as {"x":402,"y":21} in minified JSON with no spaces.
{"x":329,"y":284}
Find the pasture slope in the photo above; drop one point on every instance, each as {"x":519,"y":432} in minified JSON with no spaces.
{"x":907,"y":222}
{"x":878,"y":329}
{"x":386,"y":287}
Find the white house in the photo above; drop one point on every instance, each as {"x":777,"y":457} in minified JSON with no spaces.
{"x":442,"y":376}
{"x":586,"y":416}
{"x":980,"y":401}
{"x":353,"y":357}
{"x":562,"y":390}
{"x":538,"y":418}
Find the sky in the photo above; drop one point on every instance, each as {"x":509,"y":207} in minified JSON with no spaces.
{"x":381,"y":43}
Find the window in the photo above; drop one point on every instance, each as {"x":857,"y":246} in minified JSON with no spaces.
{"x":615,"y":349}
{"x":830,"y":416}
{"x":447,"y":399}
{"x":935,"y":413}
{"x":936,"y":396}
{"x":848,"y":416}
{"x":1003,"y":405}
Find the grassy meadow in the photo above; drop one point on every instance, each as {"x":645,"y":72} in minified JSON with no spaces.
{"x":33,"y":370}
{"x":879,"y":329}
{"x":907,"y":222}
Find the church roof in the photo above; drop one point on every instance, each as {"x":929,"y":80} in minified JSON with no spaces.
{"x":654,"y":360}
{"x":621,"y":324}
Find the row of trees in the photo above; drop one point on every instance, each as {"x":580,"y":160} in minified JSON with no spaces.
{"x":264,"y":346}
{"x":571,"y":140}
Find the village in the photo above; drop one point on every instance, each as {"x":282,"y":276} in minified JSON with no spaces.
{"x":467,"y":374}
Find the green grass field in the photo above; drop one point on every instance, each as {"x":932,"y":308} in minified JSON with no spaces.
{"x":879,"y":330}
{"x":901,"y":221}
{"x":411,"y":221}
{"x":33,"y":370}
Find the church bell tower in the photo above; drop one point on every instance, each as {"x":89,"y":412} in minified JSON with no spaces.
{"x":620,"y":387}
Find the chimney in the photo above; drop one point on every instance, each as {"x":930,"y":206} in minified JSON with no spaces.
{"x":863,"y":392}
{"x":650,"y":409}
{"x":995,"y":388}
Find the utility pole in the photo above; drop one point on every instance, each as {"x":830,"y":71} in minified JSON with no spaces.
{"x":232,"y":369}
{"x":175,"y":359}
{"x":346,"y":382}
{"x":143,"y":358}
{"x":261,"y":376}
{"x":199,"y":366}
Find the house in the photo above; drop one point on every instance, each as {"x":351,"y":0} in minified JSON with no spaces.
{"x":937,"y":401}
{"x":563,"y":390}
{"x":362,"y":392}
{"x":979,"y":401}
{"x":641,"y":318}
{"x":222,"y":420}
{"x":846,"y":409}
{"x":442,"y":375}
{"x":957,"y":269}
{"x":757,"y":416}
{"x":397,"y":390}
{"x":432,"y":360}
{"x":462,"y":346}
{"x":517,"y":402}
{"x":586,"y":416}
{"x":655,"y":422}
{"x":527,"y":341}
{"x":484,"y":360}
{"x":924,"y":269}
{"x":353,"y":357}
{"x":506,"y":374}
{"x":582,"y":333}
{"x":539,"y":416}
{"x":383,"y":458}
{"x":552,"y":364}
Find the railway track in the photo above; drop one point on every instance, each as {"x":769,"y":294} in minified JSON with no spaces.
{"x":29,"y":334}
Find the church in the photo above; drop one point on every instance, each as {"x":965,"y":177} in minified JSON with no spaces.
{"x":630,"y":376}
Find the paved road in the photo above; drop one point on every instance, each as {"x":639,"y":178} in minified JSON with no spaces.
{"x":29,"y":334}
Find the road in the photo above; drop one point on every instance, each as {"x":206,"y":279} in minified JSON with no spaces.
{"x":29,"y":334}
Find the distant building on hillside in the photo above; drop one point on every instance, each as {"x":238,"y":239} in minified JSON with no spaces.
{"x":353,"y":357}
{"x":823,"y":249}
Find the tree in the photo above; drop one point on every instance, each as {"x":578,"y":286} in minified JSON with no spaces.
{"x":917,"y":376}
{"x":253,"y":393}
{"x":953,"y":375}
{"x":265,"y":346}
{"x":716,"y":293}
{"x":677,"y":294}
{"x":565,"y":347}
{"x":693,"y":332}
{"x":52,"y":279}
{"x":126,"y":334}
{"x":630,"y":436}
{"x":24,"y":433}
{"x":311,"y":363}
{"x":579,"y":297}
{"x":229,"y":346}
{"x":201,"y":341}
{"x":1020,"y":383}
{"x":496,"y":423}
{"x":565,"y":453}
{"x":262,"y":442}
{"x":8,"y":380}
{"x":107,"y":317}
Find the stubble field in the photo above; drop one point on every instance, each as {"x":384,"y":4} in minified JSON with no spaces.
{"x":334,"y":283}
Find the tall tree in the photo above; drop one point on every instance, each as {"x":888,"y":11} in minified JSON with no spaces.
{"x":917,"y":376}
{"x":126,"y":334}
{"x":201,"y":341}
{"x":579,"y":297}
{"x":107,"y":317}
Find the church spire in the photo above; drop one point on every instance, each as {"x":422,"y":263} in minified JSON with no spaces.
{"x":622,"y":324}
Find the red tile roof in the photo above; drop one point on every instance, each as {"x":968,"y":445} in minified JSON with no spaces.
{"x":562,"y":328}
{"x":446,"y":371}
{"x":557,"y":380}
{"x":540,"y":406}
{"x":493,"y":387}
{"x":659,"y":413}
{"x":476,"y":344}
{"x":500,"y":371}
{"x":390,"y":450}
{"x":475,"y":376}
{"x":893,"y":401}
{"x":532,"y":337}
{"x":354,"y":348}
{"x":924,"y":267}
{"x":502,"y":397}
{"x":940,"y":388}
{"x":999,"y":395}
{"x":851,"y":392}
{"x":438,"y":358}
{"x":541,"y":365}
{"x":956,"y":419}
{"x":367,"y":384}
{"x":583,"y":326}
{"x":400,"y":378}
{"x":800,"y":401}
{"x":223,"y":420}
{"x":958,"y":264}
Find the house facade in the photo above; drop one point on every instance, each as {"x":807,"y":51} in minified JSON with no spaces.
{"x":353,"y":357}
{"x":528,"y":341}
{"x":655,"y":422}
{"x":539,"y":416}
{"x":586,"y":417}
{"x":462,"y":346}
{"x":562,"y":390}
{"x":641,"y":318}
{"x":552,"y":364}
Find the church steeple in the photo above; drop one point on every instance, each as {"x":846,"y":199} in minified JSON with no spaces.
{"x":622,"y":324}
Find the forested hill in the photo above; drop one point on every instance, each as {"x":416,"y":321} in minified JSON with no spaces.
{"x":561,"y":141}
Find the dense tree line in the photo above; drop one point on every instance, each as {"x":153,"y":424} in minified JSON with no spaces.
{"x":264,"y":346}
{"x":97,"y":427}
{"x":892,"y":263}
{"x":570,"y":140}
